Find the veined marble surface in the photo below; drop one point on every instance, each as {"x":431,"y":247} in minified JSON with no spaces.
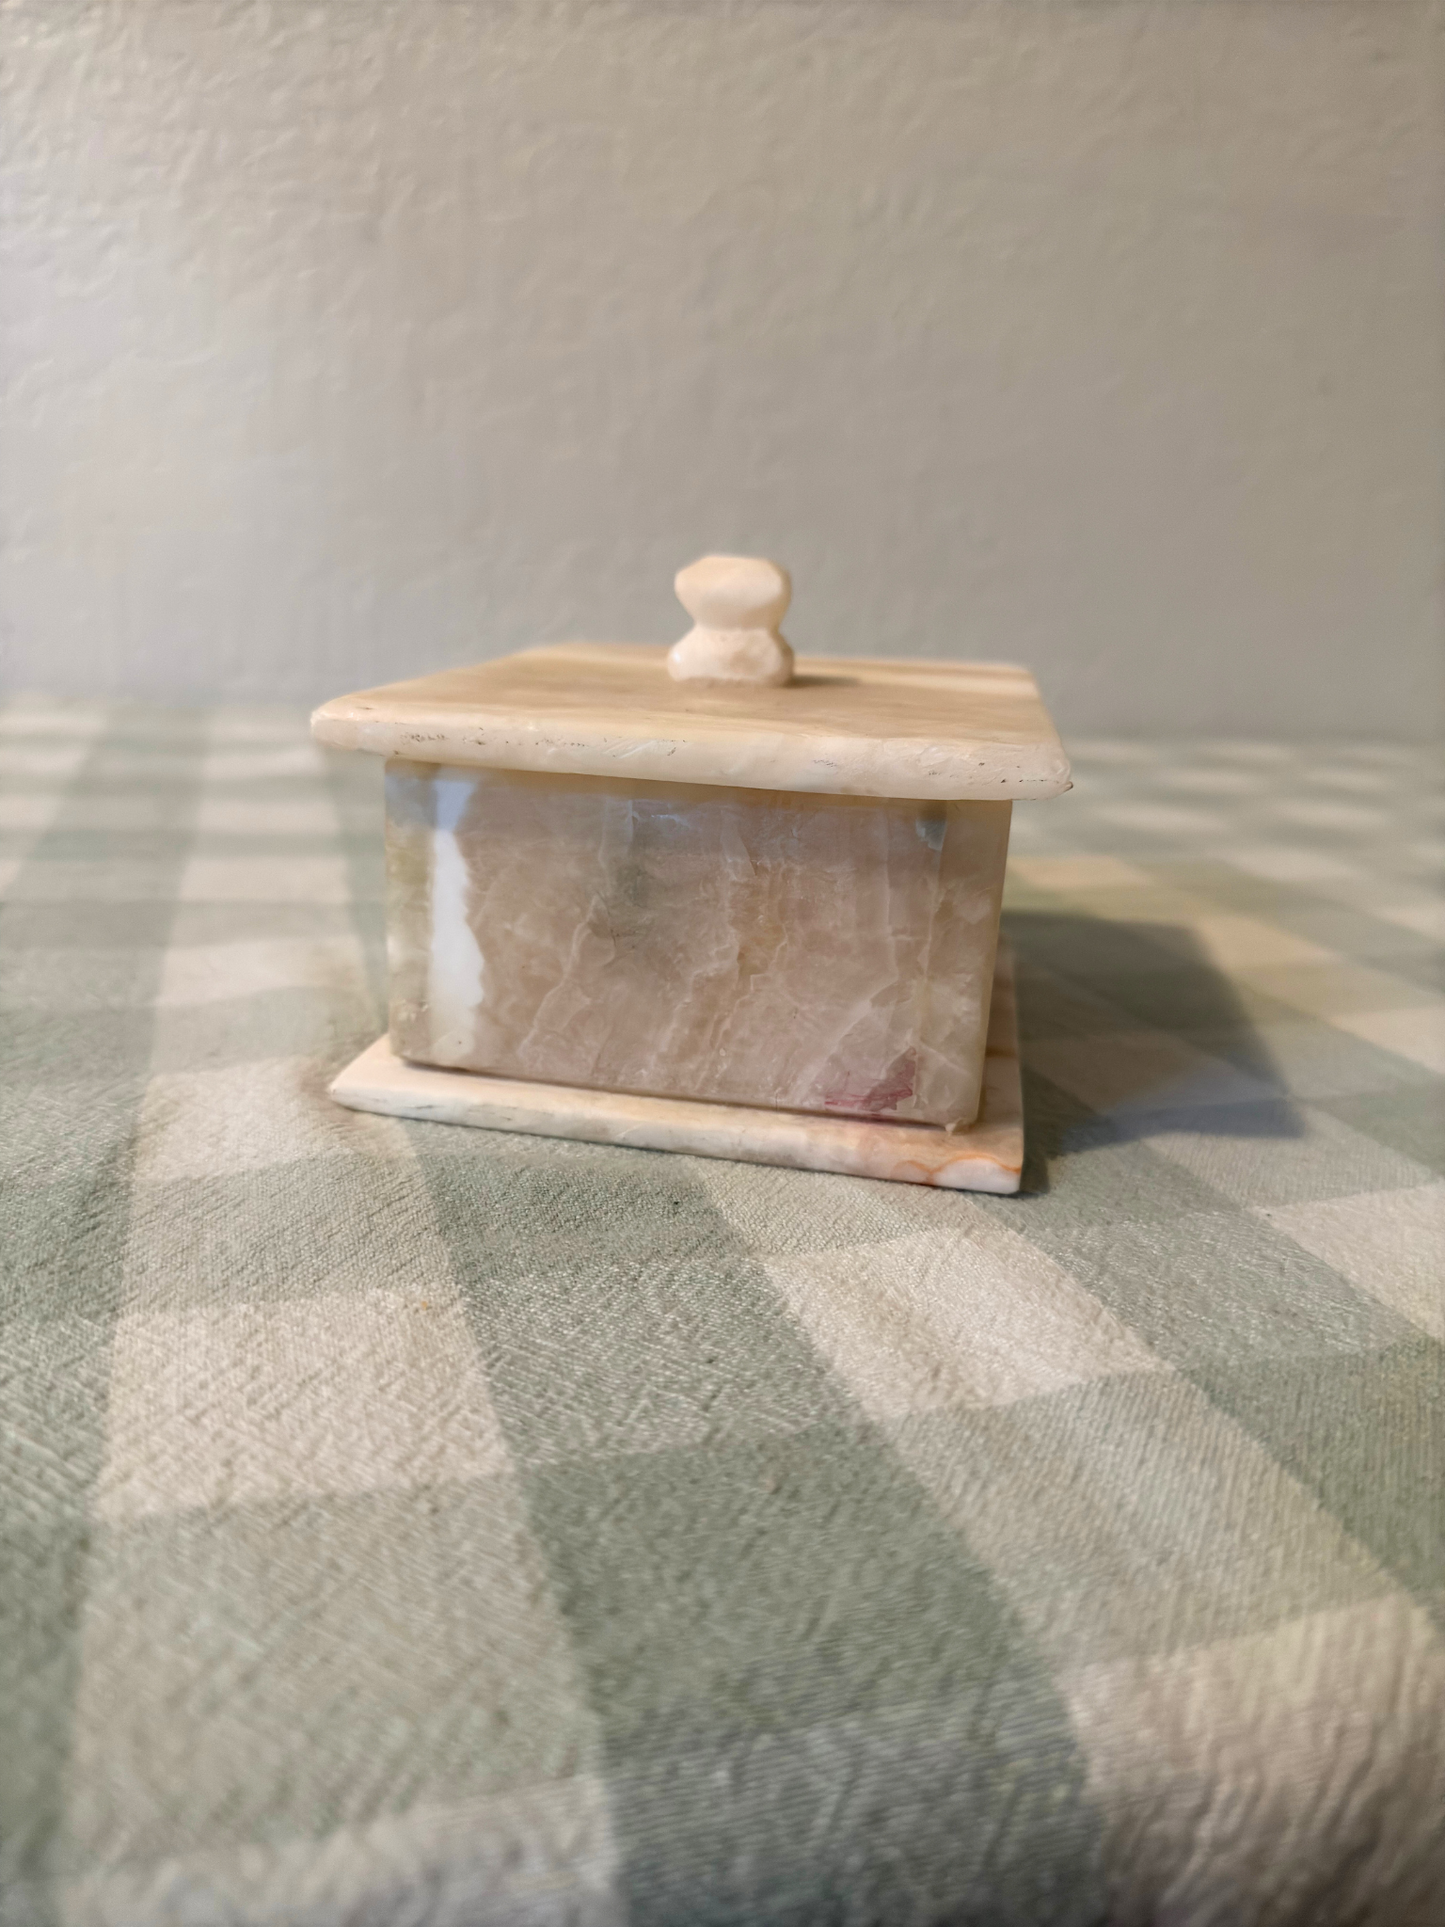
{"x":848,"y":726}
{"x":984,"y":1156}
{"x":824,"y":954}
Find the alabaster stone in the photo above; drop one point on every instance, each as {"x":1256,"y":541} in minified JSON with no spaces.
{"x":707,"y":899}
{"x":851,"y":726}
{"x":814,"y":953}
{"x":736,"y":603}
{"x":984,"y":1156}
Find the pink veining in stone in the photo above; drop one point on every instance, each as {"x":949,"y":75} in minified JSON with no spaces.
{"x":817,"y":953}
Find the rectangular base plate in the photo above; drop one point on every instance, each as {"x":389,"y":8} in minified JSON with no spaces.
{"x":984,"y":1156}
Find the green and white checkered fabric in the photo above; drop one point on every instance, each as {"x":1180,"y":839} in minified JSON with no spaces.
{"x":407,"y":1526}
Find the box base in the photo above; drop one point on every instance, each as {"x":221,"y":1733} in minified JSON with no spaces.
{"x":986,"y":1155}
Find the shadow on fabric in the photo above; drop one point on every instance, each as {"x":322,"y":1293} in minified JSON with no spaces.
{"x":1128,"y":1030}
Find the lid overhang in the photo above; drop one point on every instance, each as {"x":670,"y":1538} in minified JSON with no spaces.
{"x":937,"y":731}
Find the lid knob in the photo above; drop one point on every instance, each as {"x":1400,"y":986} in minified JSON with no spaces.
{"x":736,"y":602}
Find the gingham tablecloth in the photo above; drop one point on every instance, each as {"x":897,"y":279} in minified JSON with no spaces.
{"x":407,"y":1524}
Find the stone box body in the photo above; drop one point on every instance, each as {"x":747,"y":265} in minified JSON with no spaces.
{"x":782,"y":898}
{"x":799,"y":952}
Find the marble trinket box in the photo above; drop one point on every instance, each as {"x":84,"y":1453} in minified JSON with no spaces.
{"x":707,"y":899}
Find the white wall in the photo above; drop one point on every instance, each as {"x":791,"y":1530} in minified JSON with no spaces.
{"x":353,"y":338}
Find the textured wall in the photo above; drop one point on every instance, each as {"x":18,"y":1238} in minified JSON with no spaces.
{"x":354,"y":338}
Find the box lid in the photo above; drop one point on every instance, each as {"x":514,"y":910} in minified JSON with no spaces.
{"x":727,"y":705}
